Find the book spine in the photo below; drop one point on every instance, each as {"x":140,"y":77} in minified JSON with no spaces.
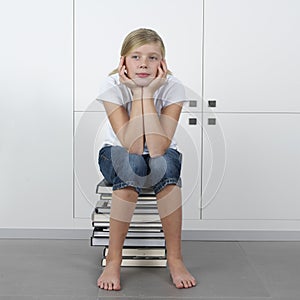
{"x":140,"y":252}
{"x":140,"y":262}
{"x":153,"y":242}
{"x":135,"y":218}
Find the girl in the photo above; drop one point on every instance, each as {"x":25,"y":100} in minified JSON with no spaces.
{"x":143,"y":102}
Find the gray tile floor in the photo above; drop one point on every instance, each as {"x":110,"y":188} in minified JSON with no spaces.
{"x":68,"y":270}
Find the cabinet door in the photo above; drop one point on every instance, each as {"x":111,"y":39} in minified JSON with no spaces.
{"x":188,"y":137}
{"x":252,"y":55}
{"x":88,"y":138}
{"x":36,"y":114}
{"x":261,"y":167}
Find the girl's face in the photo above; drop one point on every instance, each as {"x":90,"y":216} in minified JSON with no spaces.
{"x":142,"y":63}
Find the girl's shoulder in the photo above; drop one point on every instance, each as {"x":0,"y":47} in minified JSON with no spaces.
{"x":113,"y":79}
{"x":171,"y":92}
{"x":171,"y":79}
{"x":111,"y":90}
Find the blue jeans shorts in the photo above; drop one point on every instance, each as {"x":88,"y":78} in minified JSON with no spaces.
{"x":123,"y":169}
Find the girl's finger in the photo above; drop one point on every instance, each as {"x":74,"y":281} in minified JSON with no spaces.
{"x":164,"y":66}
{"x":122,"y":75}
{"x":121,"y":64}
{"x":160,"y":72}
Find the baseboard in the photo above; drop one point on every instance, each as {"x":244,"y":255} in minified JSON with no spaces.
{"x":36,"y":233}
{"x":196,"y":235}
{"x":240,"y":235}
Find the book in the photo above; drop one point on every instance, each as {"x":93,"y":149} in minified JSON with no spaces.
{"x":140,"y":204}
{"x":128,"y":262}
{"x":141,"y":198}
{"x":105,"y":206}
{"x":130,"y":234}
{"x":132,"y":242}
{"x":136,"y":218}
{"x":133,"y":226}
{"x":139,"y":252}
{"x":134,"y":229}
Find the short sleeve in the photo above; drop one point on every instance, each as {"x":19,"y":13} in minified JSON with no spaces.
{"x":172,"y":92}
{"x":110,"y":91}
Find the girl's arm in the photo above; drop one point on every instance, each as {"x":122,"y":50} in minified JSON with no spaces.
{"x":128,"y":128}
{"x":159,"y":130}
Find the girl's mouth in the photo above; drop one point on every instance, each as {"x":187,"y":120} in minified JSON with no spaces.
{"x":143,"y":75}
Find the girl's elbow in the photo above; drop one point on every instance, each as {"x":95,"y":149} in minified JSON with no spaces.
{"x":136,"y":148}
{"x":157,"y":151}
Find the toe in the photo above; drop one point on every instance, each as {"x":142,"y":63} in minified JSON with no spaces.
{"x":179,"y":284}
{"x":100,"y":284}
{"x":186,"y":284}
{"x":189,"y":284}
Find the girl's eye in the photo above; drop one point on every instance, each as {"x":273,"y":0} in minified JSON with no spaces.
{"x":153,"y":58}
{"x":135,"y":57}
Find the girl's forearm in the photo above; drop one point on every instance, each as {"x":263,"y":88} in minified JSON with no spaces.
{"x":133,"y":133}
{"x":156,"y":138}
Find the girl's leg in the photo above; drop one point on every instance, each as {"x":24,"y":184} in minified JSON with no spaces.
{"x":170,"y":210}
{"x":118,"y":167}
{"x":123,"y":204}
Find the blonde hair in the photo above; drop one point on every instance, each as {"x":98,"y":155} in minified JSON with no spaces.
{"x":138,"y":38}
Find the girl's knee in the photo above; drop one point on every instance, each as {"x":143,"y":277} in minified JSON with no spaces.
{"x":169,"y":163}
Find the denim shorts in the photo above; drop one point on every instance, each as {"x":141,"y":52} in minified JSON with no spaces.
{"x":123,"y":169}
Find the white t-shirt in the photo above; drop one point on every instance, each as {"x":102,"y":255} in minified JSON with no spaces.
{"x":113,"y":91}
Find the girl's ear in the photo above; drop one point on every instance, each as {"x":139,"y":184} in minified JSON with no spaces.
{"x":124,"y":63}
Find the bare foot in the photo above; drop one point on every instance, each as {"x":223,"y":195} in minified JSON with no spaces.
{"x":181,"y":277}
{"x":110,"y":277}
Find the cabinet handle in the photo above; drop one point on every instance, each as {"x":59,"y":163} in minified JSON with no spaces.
{"x":192,"y":103}
{"x":211,"y":121}
{"x":212,"y":103}
{"x":192,"y":121}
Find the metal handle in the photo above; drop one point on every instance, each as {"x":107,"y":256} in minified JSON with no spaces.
{"x":211,"y":121}
{"x":192,"y":121}
{"x":192,"y":103}
{"x":212,"y":103}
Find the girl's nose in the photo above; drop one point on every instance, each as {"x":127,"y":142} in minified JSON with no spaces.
{"x":143,"y":63}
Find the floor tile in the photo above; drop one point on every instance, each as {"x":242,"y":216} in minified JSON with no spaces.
{"x":12,"y":247}
{"x":29,"y":268}
{"x":278,"y":265}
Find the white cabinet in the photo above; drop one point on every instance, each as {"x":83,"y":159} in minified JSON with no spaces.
{"x":36,"y":114}
{"x":89,"y":136}
{"x":251,"y":55}
{"x":261,"y":170}
{"x":251,"y":160}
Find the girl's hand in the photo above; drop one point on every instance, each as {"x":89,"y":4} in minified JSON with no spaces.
{"x":158,"y":81}
{"x":124,"y":77}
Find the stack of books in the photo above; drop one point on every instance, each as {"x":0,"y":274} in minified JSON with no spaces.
{"x":144,"y":244}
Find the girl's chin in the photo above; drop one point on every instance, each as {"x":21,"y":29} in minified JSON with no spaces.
{"x":143,"y":81}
